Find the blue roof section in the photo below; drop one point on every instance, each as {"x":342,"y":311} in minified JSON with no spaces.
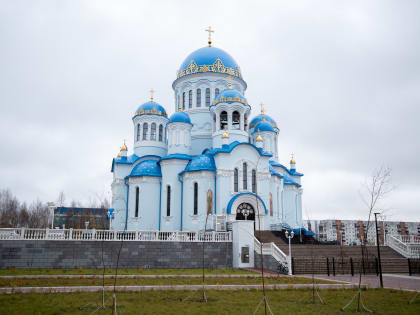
{"x":229,"y":207}
{"x":227,"y":148}
{"x":180,"y":117}
{"x":259,"y":118}
{"x":263,"y":126}
{"x":207,"y":56}
{"x":288,"y":181}
{"x":203,"y":162}
{"x":146,"y":168}
{"x":290,"y":172}
{"x":274,"y":173}
{"x":178,"y":156}
{"x":151,"y":108}
{"x":230,"y":96}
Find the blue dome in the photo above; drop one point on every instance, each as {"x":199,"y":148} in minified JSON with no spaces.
{"x":146,"y":168}
{"x":180,"y":117}
{"x":259,"y":118}
{"x":263,"y":126}
{"x":203,"y":162}
{"x":209,"y":59}
{"x":230,"y":96}
{"x":151,"y":108}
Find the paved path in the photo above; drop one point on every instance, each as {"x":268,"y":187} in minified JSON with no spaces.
{"x":168,"y":287}
{"x":391,"y":281}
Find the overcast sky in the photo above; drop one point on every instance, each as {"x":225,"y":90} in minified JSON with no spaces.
{"x":342,"y":80}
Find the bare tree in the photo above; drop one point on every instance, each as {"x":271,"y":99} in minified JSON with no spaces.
{"x":61,"y":199}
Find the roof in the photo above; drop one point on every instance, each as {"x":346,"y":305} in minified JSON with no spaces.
{"x":290,"y":172}
{"x":227,"y":148}
{"x":180,"y":117}
{"x":146,"y":168}
{"x":230,"y":96}
{"x":177,"y":156}
{"x":151,"y":108}
{"x":203,"y":162}
{"x":263,"y":126}
{"x":259,"y":118}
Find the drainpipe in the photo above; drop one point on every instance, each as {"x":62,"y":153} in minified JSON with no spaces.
{"x":160,"y":201}
{"x":126,"y":202}
{"x":182,"y":196}
{"x":215,"y":190}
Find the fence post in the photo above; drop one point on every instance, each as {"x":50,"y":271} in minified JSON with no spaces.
{"x":377,"y":266}
{"x":70,"y":234}
{"x":22,"y":233}
{"x":328,"y":267}
{"x":351,"y":267}
{"x":293,"y":265}
{"x":333,"y":266}
{"x":409,"y":267}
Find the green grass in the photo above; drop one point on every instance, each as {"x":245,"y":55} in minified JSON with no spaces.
{"x":17,"y":272}
{"x":151,"y":281}
{"x":381,"y":301}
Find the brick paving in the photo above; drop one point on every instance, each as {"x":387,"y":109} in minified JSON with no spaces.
{"x":391,"y":281}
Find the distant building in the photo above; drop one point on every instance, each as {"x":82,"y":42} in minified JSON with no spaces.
{"x":351,"y":232}
{"x":76,"y":218}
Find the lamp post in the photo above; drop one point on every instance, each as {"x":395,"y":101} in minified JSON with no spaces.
{"x":245,"y":213}
{"x":290,"y":236}
{"x":379,"y":252}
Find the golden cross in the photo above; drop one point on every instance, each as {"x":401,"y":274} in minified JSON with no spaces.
{"x":210,"y":31}
{"x":151,"y":94}
{"x":262,"y":110}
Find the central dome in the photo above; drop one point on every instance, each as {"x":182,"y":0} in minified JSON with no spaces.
{"x":209,"y":59}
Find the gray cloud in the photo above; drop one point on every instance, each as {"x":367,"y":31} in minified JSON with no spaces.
{"x":341,"y":79}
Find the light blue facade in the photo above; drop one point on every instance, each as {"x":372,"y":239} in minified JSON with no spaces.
{"x":208,"y":161}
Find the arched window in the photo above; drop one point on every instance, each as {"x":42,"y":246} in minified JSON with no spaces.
{"x":145,"y":131}
{"x":216,"y":92}
{"x":235,"y":180}
{"x":236,"y":120}
{"x":189,"y":99}
{"x":245,"y":176}
{"x":168,"y":201}
{"x":160,"y":133}
{"x":207,"y":97}
{"x":195,"y":198}
{"x":223,"y":120}
{"x":198,"y":97}
{"x":153,"y":131}
{"x":183,"y":100}
{"x":136,"y":213}
{"x":254,"y":181}
{"x":245,"y":122}
{"x":138,"y":133}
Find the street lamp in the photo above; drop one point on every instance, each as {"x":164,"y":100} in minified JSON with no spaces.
{"x":290,"y":236}
{"x":379,"y":252}
{"x":245,"y":213}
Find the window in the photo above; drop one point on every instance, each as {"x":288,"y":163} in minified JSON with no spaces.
{"x":195,"y":198}
{"x":207,"y":97}
{"x":183,"y":100}
{"x":189,"y":99}
{"x":245,"y":176}
{"x":145,"y":130}
{"x":168,"y":201}
{"x":236,"y":120}
{"x":223,"y":120}
{"x":254,"y":181}
{"x":160,"y":133}
{"x":245,"y":122}
{"x":138,"y":132}
{"x":153,"y":131}
{"x":198,"y":97}
{"x":235,"y":180}
{"x":216,"y":92}
{"x":136,"y":214}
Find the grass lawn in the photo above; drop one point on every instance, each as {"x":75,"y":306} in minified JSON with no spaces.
{"x":151,"y":281}
{"x":17,"y":272}
{"x":381,"y":301}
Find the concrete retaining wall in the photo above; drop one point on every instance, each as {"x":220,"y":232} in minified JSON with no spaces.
{"x":88,"y":254}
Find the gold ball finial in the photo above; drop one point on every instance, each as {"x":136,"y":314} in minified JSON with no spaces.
{"x":292,"y":159}
{"x":259,"y":138}
{"x":225,"y":135}
{"x":124,"y":147}
{"x":119,"y":154}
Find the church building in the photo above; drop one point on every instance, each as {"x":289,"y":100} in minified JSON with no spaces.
{"x":209,"y":162}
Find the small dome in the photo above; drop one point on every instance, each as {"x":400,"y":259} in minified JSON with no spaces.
{"x":209,"y":59}
{"x":230,"y":96}
{"x":180,"y":117}
{"x":151,"y":108}
{"x":203,"y":162}
{"x":263,"y":126}
{"x":259,"y":118}
{"x":146,"y":168}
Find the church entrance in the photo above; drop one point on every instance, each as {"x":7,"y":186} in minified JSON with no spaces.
{"x":245,"y":212}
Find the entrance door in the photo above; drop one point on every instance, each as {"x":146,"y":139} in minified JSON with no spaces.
{"x":245,"y":212}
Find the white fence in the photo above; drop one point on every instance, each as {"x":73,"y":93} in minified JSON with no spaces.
{"x":110,"y":235}
{"x":273,"y":250}
{"x":406,"y":245}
